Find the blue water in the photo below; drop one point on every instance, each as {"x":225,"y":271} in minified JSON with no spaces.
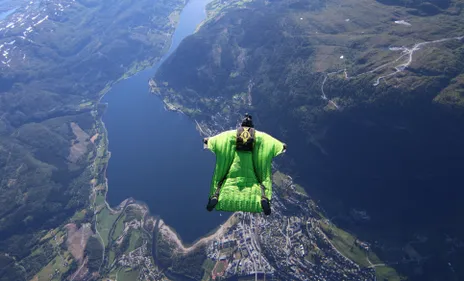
{"x":157,"y":156}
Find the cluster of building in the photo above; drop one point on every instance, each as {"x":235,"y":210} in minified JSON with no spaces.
{"x":240,"y":248}
{"x":296,"y":246}
{"x":141,"y":258}
{"x":363,"y":245}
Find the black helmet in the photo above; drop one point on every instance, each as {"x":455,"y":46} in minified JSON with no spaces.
{"x":247,"y":121}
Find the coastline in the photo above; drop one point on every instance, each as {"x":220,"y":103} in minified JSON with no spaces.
{"x":147,"y":215}
{"x":170,"y":233}
{"x":108,"y":88}
{"x":100,"y":127}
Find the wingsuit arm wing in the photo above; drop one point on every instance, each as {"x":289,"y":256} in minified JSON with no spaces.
{"x":276,"y":146}
{"x":223,"y":146}
{"x":218,"y":143}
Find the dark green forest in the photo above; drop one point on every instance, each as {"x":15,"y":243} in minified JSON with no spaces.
{"x":71,"y":58}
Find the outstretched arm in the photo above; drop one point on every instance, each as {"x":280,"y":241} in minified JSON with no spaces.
{"x":219,"y":142}
{"x":274,"y":146}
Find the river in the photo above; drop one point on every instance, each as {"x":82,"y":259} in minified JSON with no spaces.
{"x":157,"y":156}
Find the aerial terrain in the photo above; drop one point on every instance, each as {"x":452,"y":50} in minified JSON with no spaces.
{"x":368,"y":95}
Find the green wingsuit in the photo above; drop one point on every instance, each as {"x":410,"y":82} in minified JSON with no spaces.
{"x":241,"y":190}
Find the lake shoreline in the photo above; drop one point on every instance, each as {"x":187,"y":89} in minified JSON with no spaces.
{"x":100,"y":119}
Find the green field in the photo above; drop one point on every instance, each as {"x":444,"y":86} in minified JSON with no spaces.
{"x":105,"y":221}
{"x":278,"y":179}
{"x":135,"y":236}
{"x":111,"y":257}
{"x":344,"y":242}
{"x":56,"y":267}
{"x":208,"y":265}
{"x":119,"y":228}
{"x":387,"y":273}
{"x":300,"y":189}
{"x":99,"y":200}
{"x":129,"y":275}
{"x":220,"y":267}
{"x":79,"y":215}
{"x":85,"y":104}
{"x":310,"y":257}
{"x":374,"y":258}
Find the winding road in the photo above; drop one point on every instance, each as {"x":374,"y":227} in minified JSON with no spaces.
{"x":398,"y":64}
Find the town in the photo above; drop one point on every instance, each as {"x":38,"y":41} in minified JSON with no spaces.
{"x":294,"y":243}
{"x":298,"y":246}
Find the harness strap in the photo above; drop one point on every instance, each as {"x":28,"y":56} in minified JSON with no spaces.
{"x":261,"y":185}
{"x":218,"y":189}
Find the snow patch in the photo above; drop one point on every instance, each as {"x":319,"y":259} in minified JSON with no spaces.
{"x":41,"y":21}
{"x":402,"y":22}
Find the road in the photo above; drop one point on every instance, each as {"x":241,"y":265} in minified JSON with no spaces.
{"x":406,"y":53}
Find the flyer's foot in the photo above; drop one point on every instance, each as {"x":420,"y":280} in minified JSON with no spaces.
{"x":212,"y":203}
{"x":266,"y":205}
